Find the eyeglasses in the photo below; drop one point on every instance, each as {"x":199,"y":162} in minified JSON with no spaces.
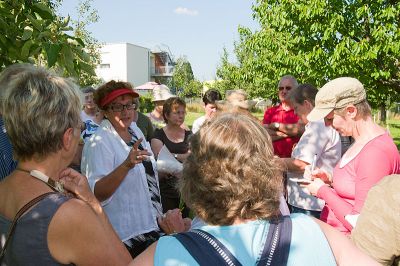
{"x":120,"y":107}
{"x":288,"y":88}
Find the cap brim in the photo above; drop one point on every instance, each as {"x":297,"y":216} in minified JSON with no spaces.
{"x":163,"y":97}
{"x":318,"y":113}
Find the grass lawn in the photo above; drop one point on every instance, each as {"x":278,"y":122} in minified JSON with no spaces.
{"x":394,"y":128}
{"x":190,"y":117}
{"x":394,"y":124}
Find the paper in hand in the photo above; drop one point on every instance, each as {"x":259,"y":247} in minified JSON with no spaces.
{"x":167,"y":163}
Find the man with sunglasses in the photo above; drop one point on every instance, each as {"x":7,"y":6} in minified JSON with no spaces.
{"x":281,"y":122}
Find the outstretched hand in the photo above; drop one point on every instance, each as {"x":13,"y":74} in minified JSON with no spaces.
{"x":136,"y":156}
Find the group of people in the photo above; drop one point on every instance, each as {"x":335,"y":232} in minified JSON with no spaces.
{"x":121,"y":209}
{"x":324,"y":182}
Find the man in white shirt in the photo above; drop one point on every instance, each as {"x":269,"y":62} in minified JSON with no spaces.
{"x":319,"y":145}
{"x":210,"y":107}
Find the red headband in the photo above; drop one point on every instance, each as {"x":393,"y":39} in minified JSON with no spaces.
{"x":114,"y":94}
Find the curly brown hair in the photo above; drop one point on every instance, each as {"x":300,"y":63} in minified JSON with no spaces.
{"x":231,"y":172}
{"x":106,"y":89}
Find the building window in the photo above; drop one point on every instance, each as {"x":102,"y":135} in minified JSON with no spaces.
{"x":104,"y":65}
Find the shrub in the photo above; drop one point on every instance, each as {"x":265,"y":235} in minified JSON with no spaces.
{"x":146,"y":104}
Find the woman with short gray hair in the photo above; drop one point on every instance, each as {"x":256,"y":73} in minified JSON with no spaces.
{"x":41,"y":114}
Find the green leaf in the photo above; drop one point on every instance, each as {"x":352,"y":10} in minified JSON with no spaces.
{"x":43,"y":11}
{"x":68,"y":60}
{"x":3,"y":24}
{"x":44,"y":35}
{"x":36,"y":24}
{"x":87,"y":68}
{"x":66,"y":21}
{"x":52,"y":51}
{"x":27,"y":33}
{"x":71,"y":41}
{"x":25,"y":49}
{"x":83,"y":55}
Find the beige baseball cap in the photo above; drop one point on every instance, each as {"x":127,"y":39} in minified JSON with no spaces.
{"x":336,"y":94}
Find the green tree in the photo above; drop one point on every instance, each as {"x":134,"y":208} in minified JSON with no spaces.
{"x":86,"y":16}
{"x":30,"y":31}
{"x":317,"y":41}
{"x":183,"y":79}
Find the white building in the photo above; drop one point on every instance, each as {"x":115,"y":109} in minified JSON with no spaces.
{"x":133,"y":63}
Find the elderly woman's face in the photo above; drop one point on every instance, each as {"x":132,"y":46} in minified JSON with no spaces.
{"x":177,"y":115}
{"x":121,"y":111}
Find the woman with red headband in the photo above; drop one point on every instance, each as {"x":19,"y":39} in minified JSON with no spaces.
{"x":121,"y":170}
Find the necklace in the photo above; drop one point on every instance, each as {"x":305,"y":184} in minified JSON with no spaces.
{"x":55,"y":185}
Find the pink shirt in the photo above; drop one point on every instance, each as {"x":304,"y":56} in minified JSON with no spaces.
{"x":282,"y":147}
{"x":351,"y":183}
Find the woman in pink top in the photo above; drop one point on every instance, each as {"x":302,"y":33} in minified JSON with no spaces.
{"x":342,"y":102}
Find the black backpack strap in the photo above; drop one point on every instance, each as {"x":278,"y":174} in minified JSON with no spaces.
{"x":206,"y":249}
{"x":277,"y":245}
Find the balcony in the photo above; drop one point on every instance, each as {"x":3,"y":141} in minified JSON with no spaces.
{"x":162,"y":71}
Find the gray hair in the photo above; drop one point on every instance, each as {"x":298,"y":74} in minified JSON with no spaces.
{"x":39,"y":106}
{"x":291,"y":78}
{"x":8,"y":74}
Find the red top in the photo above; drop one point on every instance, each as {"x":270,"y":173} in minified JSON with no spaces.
{"x":282,"y":147}
{"x":351,"y":183}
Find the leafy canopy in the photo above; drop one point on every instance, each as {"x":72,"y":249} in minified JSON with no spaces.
{"x":316,"y":41}
{"x":30,"y":31}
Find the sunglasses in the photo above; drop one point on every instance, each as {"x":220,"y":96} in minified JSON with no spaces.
{"x":288,"y":88}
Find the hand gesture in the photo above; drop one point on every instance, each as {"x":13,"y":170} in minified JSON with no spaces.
{"x":172,"y":222}
{"x":136,"y":156}
{"x":78,"y":186}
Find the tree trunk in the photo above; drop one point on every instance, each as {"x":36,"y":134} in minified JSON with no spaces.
{"x":382,"y":112}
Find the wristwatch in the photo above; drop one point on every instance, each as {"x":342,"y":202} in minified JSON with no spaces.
{"x":276,"y":125}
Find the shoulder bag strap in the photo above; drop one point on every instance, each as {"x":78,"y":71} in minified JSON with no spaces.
{"x":206,"y":249}
{"x":277,"y":245}
{"x":17,"y":216}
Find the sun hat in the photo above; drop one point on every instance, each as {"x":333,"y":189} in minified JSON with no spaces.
{"x":108,"y":98}
{"x":161,"y":93}
{"x":336,"y":94}
{"x":237,"y":98}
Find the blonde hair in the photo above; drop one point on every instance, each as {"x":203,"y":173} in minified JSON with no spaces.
{"x":231,"y":172}
{"x":39,"y":107}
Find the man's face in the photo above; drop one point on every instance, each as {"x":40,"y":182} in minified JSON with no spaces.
{"x":283,"y":89}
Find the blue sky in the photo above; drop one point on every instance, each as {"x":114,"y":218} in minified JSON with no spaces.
{"x":198,"y":29}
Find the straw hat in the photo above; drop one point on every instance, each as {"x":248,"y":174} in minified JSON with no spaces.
{"x":161,"y":93}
